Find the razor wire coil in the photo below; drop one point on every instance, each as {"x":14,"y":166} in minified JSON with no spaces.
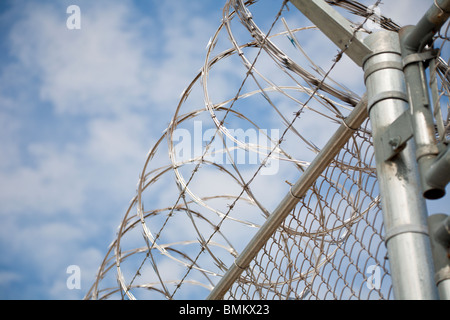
{"x":199,"y":201}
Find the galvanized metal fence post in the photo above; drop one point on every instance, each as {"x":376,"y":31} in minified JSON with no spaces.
{"x":404,"y":209}
{"x":439,"y":225}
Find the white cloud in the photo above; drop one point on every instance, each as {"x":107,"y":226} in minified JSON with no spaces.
{"x":100,"y":68}
{"x":405,"y":12}
{"x":48,"y":248}
{"x":8,"y":277}
{"x":101,"y":72}
{"x":58,"y":193}
{"x":54,"y":184}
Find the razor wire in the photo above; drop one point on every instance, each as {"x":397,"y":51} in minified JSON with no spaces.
{"x":248,"y":124}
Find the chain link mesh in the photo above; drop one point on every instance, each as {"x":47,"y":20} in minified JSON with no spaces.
{"x":331,"y":246}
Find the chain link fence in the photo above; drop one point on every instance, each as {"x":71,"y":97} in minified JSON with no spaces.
{"x":238,"y":138}
{"x":331,"y":246}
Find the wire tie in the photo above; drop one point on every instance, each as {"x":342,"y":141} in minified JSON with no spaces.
{"x":347,"y":126}
{"x":440,"y":9}
{"x":293,"y":195}
{"x":234,"y":262}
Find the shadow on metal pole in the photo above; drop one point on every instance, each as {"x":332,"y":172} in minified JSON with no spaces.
{"x":404,"y":210}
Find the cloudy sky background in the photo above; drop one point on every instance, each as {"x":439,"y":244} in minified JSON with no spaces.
{"x":79,"y":110}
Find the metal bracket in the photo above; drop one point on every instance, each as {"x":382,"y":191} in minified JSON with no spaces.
{"x":337,"y":28}
{"x":395,"y":136}
{"x":399,"y":95}
{"x":424,"y":56}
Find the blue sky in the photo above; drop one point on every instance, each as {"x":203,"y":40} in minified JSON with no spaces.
{"x":79,"y":110}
